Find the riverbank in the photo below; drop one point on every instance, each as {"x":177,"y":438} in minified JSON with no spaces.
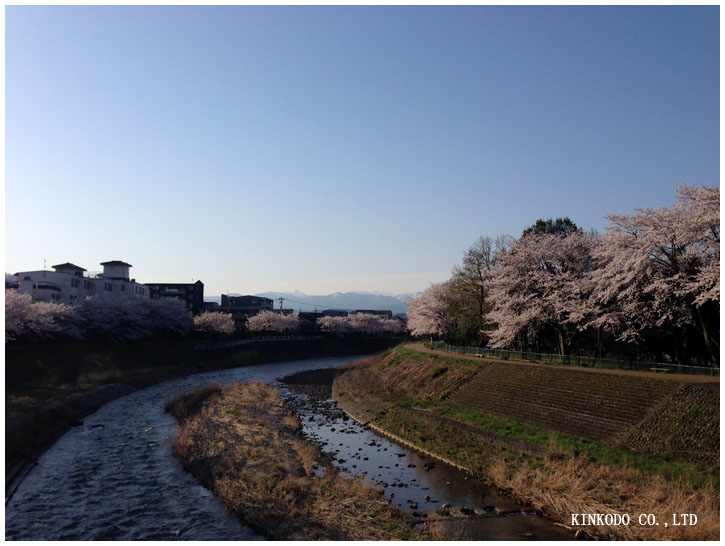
{"x":50,"y":388}
{"x":445,"y":406}
{"x":244,"y":444}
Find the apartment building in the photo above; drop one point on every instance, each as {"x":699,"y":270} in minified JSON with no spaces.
{"x":69,"y":283}
{"x":192,"y":294}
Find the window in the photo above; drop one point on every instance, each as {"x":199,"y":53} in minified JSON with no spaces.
{"x":123,"y":288}
{"x":26,"y":278}
{"x":86,"y":284}
{"x":73,"y":298}
{"x":107,"y":286}
{"x":55,"y":297}
{"x":75,"y":283}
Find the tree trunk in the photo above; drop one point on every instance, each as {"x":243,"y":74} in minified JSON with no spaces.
{"x":562,"y":342}
{"x":600,"y":342}
{"x":706,"y":335}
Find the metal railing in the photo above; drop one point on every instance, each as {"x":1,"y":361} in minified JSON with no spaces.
{"x":577,"y":360}
{"x":238,"y":342}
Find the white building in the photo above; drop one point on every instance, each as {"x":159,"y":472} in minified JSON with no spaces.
{"x":70,"y":283}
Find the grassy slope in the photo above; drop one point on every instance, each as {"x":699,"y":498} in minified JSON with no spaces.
{"x":625,"y":480}
{"x":687,"y":426}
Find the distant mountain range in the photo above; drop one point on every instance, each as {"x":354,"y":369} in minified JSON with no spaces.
{"x":346,"y":301}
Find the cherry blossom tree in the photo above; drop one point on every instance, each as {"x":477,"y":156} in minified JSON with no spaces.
{"x":660,"y":269}
{"x":168,"y":316}
{"x":37,"y":321}
{"x":132,"y":319}
{"x":541,"y":286}
{"x":699,"y":216}
{"x":214,"y":323}
{"x":112,"y":319}
{"x":360,"y":324}
{"x":369,"y":324}
{"x":392,"y":326}
{"x":269,"y":321}
{"x":365,"y":324}
{"x":340,"y":326}
{"x":17,"y":311}
{"x":428,"y":314}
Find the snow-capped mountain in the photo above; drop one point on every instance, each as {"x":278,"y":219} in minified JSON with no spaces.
{"x":346,"y":301}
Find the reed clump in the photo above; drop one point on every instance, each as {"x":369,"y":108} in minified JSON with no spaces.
{"x":564,"y":486}
{"x":185,"y":406}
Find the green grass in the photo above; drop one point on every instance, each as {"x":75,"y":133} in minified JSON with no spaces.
{"x":595,"y":452}
{"x":400,"y":354}
{"x":438,"y":372}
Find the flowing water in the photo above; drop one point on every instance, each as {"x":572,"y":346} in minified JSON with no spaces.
{"x":115,"y":478}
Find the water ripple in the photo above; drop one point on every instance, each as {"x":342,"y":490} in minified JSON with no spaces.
{"x":115,"y":478}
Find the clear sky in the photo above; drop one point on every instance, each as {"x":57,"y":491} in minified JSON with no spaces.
{"x":341,"y":148}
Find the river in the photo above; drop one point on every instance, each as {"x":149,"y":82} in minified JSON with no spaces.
{"x":114,"y":478}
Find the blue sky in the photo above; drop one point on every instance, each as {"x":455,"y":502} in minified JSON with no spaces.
{"x":341,"y":148}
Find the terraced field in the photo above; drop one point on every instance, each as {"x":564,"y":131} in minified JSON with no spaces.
{"x":597,"y":406}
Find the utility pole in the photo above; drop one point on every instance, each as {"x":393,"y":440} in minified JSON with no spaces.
{"x":281,"y":303}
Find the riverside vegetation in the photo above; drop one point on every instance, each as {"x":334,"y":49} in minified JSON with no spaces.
{"x":246,"y":446}
{"x":577,"y":442}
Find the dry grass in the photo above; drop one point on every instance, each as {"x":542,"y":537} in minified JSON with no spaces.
{"x":564,"y":486}
{"x":246,"y":447}
{"x":101,"y":376}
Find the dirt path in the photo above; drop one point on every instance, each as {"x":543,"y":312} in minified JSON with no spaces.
{"x":682,"y":378}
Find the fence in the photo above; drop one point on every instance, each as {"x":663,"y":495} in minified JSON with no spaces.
{"x":236,"y":343}
{"x":577,"y":360}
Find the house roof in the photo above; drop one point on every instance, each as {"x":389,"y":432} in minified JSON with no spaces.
{"x":68,"y":265}
{"x":116,"y":262}
{"x":173,"y":284}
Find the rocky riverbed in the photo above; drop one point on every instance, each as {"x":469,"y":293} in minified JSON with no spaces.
{"x":458,"y":505}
